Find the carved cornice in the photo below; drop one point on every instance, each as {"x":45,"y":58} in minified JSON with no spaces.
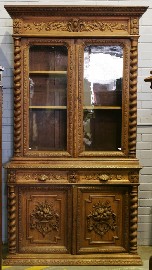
{"x":124,"y":20}
{"x":68,"y":11}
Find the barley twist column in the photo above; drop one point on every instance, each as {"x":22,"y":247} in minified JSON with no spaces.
{"x":133,"y":219}
{"x":12,"y":219}
{"x":17,"y":97}
{"x":133,"y":99}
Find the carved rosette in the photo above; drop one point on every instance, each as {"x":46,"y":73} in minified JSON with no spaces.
{"x":17,"y":97}
{"x":73,"y":177}
{"x":44,"y":218}
{"x":133,"y":99}
{"x":101,"y":219}
{"x":133,"y":219}
{"x":12,"y":219}
{"x":134,"y":177}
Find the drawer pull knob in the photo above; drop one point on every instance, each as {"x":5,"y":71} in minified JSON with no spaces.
{"x":43,"y":177}
{"x":104,"y":177}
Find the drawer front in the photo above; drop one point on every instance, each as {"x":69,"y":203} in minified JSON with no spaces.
{"x":46,"y":176}
{"x":73,"y":176}
{"x":45,"y":219}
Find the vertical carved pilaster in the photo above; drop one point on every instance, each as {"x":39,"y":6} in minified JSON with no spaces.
{"x":133,"y":99}
{"x":17,"y":97}
{"x":12,"y":219}
{"x":133,"y":219}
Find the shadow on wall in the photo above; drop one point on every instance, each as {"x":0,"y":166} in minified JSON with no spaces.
{"x":6,"y":60}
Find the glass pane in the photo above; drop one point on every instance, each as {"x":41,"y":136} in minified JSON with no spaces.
{"x":102,"y":130}
{"x":48,"y":130}
{"x":48,"y":97}
{"x":48,"y":90}
{"x":103,"y":75}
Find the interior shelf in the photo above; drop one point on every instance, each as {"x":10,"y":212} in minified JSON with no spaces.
{"x":48,"y":107}
{"x":102,"y":107}
{"x":54,"y":72}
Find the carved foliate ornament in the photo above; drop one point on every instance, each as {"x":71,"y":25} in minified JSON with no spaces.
{"x":101,"y":219}
{"x":17,"y":26}
{"x":44,"y":218}
{"x":76,"y":25}
{"x":73,"y":177}
{"x":134,"y":26}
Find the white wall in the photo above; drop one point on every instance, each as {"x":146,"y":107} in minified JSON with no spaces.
{"x":144,"y":139}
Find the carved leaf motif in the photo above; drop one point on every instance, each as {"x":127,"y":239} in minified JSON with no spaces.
{"x":77,"y":25}
{"x":101,"y":219}
{"x":17,"y":25}
{"x":44,"y":218}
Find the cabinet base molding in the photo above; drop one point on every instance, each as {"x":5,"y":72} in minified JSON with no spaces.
{"x":67,"y":259}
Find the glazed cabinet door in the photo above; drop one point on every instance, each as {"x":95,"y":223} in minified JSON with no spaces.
{"x":103,"y":97}
{"x":48,"y":97}
{"x":44,"y":219}
{"x":102,"y":219}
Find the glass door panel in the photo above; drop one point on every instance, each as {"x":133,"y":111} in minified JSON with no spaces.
{"x":102,"y":106}
{"x":48,"y":98}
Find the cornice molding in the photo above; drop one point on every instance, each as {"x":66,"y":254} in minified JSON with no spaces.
{"x":33,"y":10}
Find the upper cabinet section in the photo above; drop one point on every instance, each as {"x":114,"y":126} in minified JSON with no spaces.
{"x":75,"y":80}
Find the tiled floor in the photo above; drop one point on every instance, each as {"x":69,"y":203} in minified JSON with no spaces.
{"x":144,"y":251}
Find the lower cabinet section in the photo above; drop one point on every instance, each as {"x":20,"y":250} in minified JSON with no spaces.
{"x":73,"y":219}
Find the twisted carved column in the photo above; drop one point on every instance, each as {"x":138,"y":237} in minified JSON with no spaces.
{"x":12,"y":219}
{"x":133,"y":219}
{"x":133,"y":99}
{"x":17,"y":97}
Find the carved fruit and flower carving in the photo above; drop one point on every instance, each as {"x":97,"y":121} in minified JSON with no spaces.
{"x":101,"y":219}
{"x":76,"y":25}
{"x":44,"y":218}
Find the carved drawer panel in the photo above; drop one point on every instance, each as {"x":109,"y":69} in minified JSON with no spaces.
{"x":102,"y":222}
{"x":44,"y":219}
{"x":104,"y":176}
{"x":42,"y":176}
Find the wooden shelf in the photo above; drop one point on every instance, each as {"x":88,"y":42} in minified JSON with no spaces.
{"x":54,"y":72}
{"x":48,"y":107}
{"x":102,"y":107}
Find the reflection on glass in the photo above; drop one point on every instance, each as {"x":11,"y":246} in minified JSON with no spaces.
{"x":103,"y":71}
{"x":47,"y":97}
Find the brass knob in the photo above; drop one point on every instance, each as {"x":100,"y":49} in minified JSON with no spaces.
{"x":43,"y":177}
{"x":104,"y":177}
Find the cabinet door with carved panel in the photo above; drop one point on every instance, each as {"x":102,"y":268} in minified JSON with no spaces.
{"x":103,"y":219}
{"x":44,"y":219}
